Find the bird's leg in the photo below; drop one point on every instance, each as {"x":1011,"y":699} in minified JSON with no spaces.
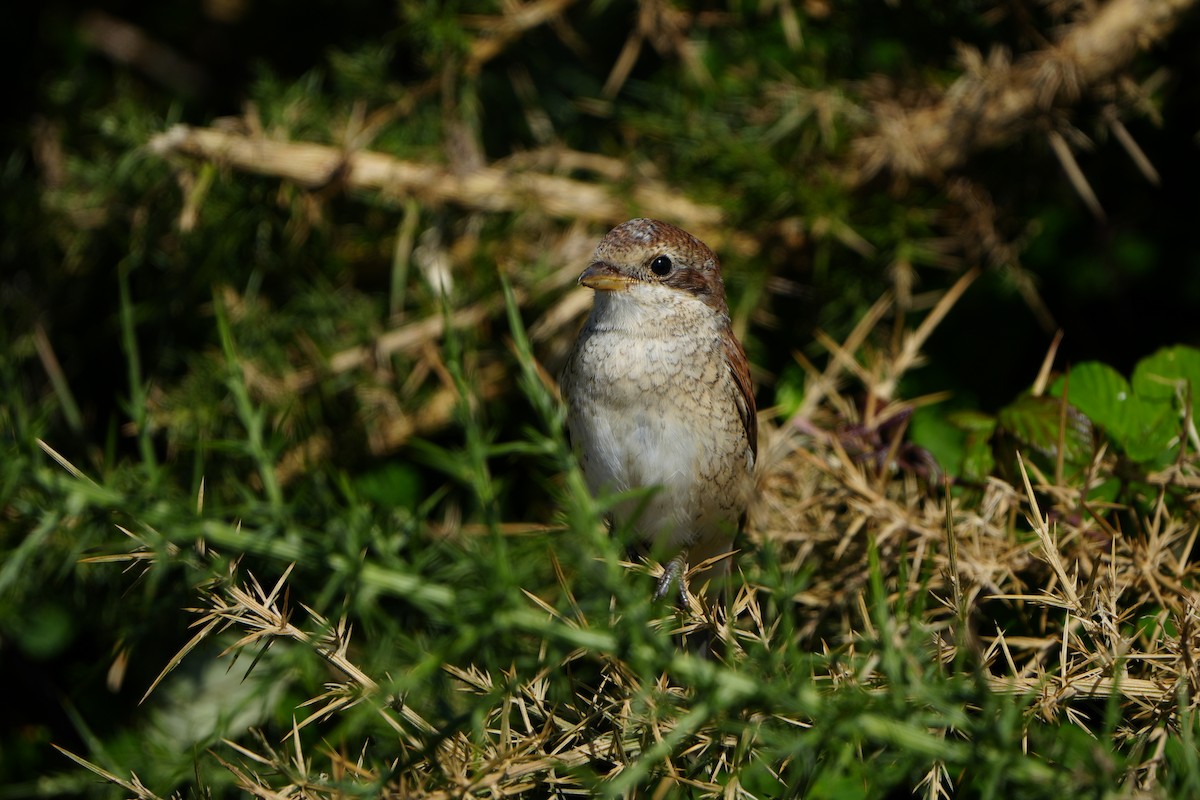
{"x":675,"y":570}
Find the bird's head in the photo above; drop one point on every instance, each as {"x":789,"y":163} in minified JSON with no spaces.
{"x":644,"y":253}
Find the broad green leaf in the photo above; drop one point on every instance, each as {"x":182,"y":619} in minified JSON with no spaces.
{"x":1034,"y":422}
{"x":1155,"y":427}
{"x":1100,"y":392}
{"x":931,"y":429}
{"x":1166,"y":374}
{"x":978,"y":460}
{"x":1141,"y":428}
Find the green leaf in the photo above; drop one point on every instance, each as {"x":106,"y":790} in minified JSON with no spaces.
{"x":1164,"y":375}
{"x":1143,"y":429}
{"x":1154,"y":437}
{"x":1100,"y":392}
{"x":1034,"y":422}
{"x":934,"y":431}
{"x":978,"y":459}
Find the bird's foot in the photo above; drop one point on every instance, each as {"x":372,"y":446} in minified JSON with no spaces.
{"x":673,"y":572}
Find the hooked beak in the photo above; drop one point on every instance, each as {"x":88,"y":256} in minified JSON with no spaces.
{"x":604,"y":278}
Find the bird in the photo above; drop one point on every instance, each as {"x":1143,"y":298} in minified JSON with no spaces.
{"x":658,"y":394}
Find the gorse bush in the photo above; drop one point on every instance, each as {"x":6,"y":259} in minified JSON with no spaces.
{"x":445,"y":669}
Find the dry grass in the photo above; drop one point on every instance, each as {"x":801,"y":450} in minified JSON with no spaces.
{"x":1023,"y":583}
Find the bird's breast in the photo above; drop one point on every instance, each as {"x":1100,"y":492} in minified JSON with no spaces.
{"x":660,"y":410}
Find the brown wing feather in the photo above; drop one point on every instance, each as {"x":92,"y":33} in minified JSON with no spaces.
{"x":739,"y":367}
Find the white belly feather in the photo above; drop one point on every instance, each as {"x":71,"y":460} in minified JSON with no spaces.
{"x":632,"y":420}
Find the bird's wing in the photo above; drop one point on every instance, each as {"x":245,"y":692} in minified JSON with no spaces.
{"x":739,"y":367}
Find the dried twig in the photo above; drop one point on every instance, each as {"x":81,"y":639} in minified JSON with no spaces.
{"x":993,"y":103}
{"x":507,"y":28}
{"x":484,"y":189}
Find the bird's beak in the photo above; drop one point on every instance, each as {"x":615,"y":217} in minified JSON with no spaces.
{"x":604,"y":278}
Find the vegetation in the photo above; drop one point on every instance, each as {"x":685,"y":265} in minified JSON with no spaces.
{"x":286,"y":505}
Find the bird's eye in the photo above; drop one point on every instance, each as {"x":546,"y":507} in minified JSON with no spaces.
{"x":661,"y":265}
